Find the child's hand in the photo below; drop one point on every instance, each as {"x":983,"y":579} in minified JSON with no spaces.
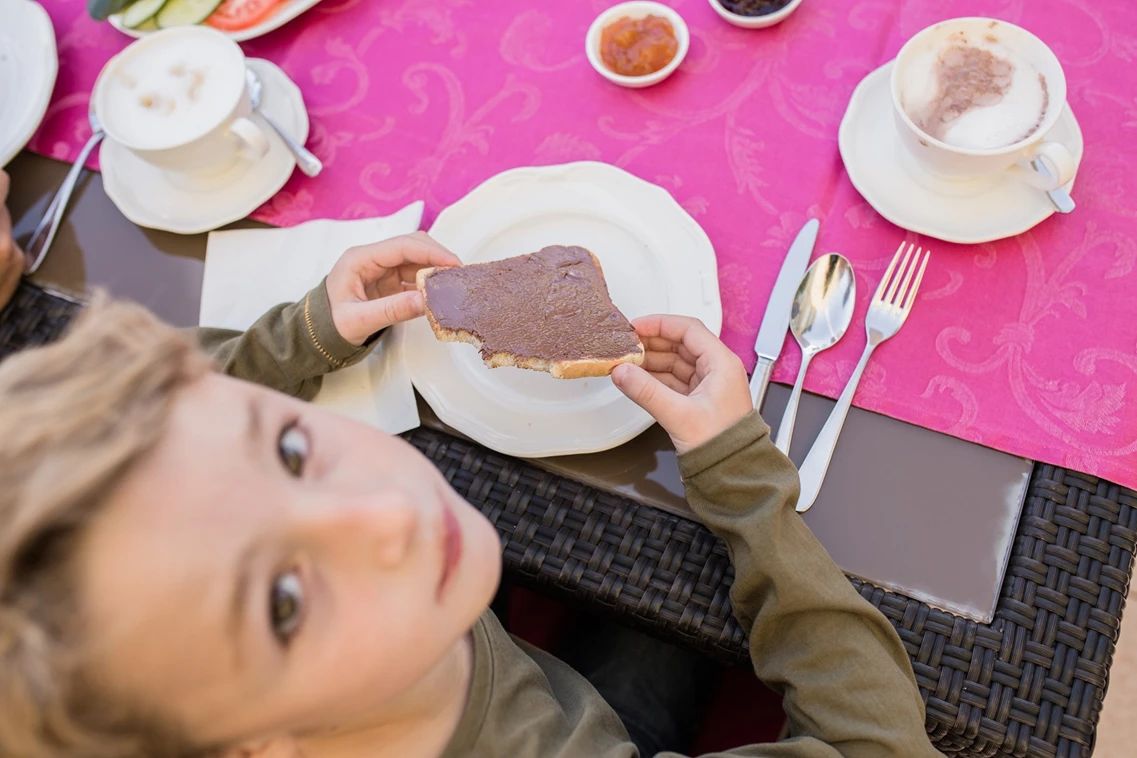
{"x":692,"y":383}
{"x":373,"y":286}
{"x":11,"y":257}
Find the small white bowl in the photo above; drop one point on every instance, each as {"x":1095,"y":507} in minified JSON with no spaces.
{"x":635,"y":10}
{"x":755,"y":22}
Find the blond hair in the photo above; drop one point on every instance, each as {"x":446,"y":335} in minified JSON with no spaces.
{"x":76,"y":416}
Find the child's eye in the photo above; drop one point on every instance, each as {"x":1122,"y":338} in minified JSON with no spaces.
{"x":294,"y":447}
{"x":286,"y":606}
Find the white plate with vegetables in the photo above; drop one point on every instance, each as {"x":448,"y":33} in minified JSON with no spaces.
{"x":239,"y":19}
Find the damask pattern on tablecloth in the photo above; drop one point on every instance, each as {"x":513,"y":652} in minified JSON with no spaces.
{"x":1028,"y":345}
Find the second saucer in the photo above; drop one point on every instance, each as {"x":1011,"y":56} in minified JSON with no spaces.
{"x":874,"y":157}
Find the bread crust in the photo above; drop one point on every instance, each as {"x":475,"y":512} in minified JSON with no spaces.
{"x":567,"y":369}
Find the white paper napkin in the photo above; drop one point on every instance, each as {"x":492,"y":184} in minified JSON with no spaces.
{"x":248,"y":271}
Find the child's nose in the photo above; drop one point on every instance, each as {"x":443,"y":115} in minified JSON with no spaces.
{"x":377,"y":528}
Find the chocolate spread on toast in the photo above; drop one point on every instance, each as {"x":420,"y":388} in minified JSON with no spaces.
{"x":552,"y":304}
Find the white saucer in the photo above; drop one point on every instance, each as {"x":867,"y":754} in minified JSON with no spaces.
{"x":880,"y":171}
{"x":28,"y":65}
{"x":152,"y":198}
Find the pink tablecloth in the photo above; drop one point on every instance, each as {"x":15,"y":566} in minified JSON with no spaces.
{"x":1028,"y":345}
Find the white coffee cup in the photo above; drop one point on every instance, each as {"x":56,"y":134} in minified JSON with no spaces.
{"x":177,"y":99}
{"x":954,"y":163}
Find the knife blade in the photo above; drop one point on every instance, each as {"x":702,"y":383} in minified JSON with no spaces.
{"x":772,"y":332}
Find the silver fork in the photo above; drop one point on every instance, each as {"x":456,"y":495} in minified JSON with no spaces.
{"x":887,"y":313}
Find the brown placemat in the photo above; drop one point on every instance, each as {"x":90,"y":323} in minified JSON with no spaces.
{"x":890,"y":484}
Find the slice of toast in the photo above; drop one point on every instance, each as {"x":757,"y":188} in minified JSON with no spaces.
{"x":546,"y":311}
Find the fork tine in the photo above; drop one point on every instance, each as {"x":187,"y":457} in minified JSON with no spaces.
{"x":889,"y":298}
{"x":887,"y":274}
{"x":910,"y":296}
{"x":898,"y":303}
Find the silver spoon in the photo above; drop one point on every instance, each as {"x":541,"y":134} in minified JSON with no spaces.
{"x":40,"y":242}
{"x":1059,"y":197}
{"x":307,"y":162}
{"x":822,"y":311}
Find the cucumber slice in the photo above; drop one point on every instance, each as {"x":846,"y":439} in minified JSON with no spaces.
{"x":140,"y":12}
{"x":101,"y":9}
{"x":149,"y":25}
{"x":186,"y":12}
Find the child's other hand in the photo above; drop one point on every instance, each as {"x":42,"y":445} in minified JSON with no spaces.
{"x":691,"y":382}
{"x":373,"y":286}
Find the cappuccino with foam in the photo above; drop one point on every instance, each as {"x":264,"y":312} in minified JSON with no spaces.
{"x":177,"y":99}
{"x":163,"y":95}
{"x":972,"y":89}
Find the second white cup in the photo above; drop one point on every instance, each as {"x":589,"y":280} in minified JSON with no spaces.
{"x":177,"y":99}
{"x":913,"y":70}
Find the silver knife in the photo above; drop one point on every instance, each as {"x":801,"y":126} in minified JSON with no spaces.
{"x":772,"y":333}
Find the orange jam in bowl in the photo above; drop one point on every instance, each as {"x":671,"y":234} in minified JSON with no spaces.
{"x":638,"y":46}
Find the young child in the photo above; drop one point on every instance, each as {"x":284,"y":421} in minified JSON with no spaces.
{"x":194,"y":563}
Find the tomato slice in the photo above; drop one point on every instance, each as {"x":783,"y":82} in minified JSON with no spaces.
{"x":234,"y":15}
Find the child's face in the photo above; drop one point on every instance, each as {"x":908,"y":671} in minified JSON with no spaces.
{"x":272,"y":569}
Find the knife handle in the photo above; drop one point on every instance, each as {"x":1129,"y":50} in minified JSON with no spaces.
{"x":760,"y":380}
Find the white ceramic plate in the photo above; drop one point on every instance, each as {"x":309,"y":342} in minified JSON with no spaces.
{"x":290,"y":10}
{"x":656,"y":259}
{"x":878,"y":168}
{"x":28,"y":65}
{"x":153,"y":198}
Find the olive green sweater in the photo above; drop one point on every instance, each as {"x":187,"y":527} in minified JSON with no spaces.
{"x":846,"y":682}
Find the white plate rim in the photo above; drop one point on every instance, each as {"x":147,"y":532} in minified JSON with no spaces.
{"x":47,"y":65}
{"x":273,"y":76}
{"x":864,"y":188}
{"x":456,"y":413}
{"x":278,"y":19}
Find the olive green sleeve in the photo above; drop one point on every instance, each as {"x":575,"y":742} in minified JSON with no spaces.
{"x":289,"y":348}
{"x":845,"y":678}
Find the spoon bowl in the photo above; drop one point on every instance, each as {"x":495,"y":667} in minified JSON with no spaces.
{"x":821,"y":313}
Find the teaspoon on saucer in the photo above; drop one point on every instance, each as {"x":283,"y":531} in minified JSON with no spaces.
{"x":1061,"y":199}
{"x":308,"y":163}
{"x":822,"y":311}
